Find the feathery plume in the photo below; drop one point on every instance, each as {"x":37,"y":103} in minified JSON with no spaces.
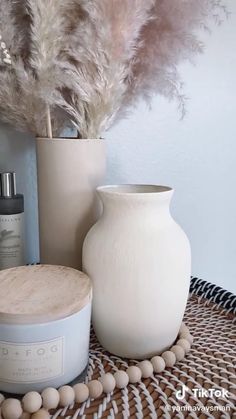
{"x":173,"y":28}
{"x":89,"y":61}
{"x":102,"y":43}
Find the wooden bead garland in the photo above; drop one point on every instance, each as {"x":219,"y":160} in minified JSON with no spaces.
{"x":81,"y":392}
{"x":67,"y":395}
{"x":32,"y":402}
{"x":178,"y":351}
{"x":95,"y":389}
{"x":11,"y":409}
{"x":183,"y":329}
{"x":36,"y":406}
{"x":108,"y":382}
{"x":25,"y":415}
{"x":50,"y":398}
{"x":146,"y":368}
{"x":158,"y":364}
{"x":135,"y":374}
{"x":122,"y":379}
{"x":169,"y":358}
{"x":188,"y":337}
{"x":185,"y":344}
{"x":41,"y":414}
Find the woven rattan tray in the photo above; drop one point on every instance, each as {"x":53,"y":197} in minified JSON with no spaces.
{"x":210,"y":364}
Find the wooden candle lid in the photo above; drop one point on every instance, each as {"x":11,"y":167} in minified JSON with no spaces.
{"x":42,"y":293}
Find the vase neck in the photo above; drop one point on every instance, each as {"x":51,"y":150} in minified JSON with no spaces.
{"x":130,"y":198}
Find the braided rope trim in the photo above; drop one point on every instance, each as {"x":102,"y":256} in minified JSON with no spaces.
{"x":213,"y":293}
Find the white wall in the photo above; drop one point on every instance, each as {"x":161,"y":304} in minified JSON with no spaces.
{"x":196,"y":156}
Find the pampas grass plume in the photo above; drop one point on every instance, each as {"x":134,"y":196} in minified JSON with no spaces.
{"x":90,"y":61}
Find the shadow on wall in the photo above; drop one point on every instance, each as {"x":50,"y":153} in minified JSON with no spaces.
{"x":17,"y":153}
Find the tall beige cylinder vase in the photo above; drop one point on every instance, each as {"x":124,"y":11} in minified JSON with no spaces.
{"x":69,"y":170}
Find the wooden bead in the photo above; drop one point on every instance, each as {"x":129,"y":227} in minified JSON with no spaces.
{"x":108,"y":382}
{"x":25,"y":415}
{"x":41,"y":414}
{"x":11,"y":409}
{"x":135,"y":374}
{"x":179,"y":352}
{"x":81,"y":392}
{"x":169,"y":358}
{"x":67,"y":395}
{"x":146,"y":368}
{"x":95,"y":389}
{"x":183,"y":329}
{"x":50,"y":397}
{"x":32,"y":402}
{"x":122,"y":379}
{"x":158,"y":364}
{"x":185,"y":344}
{"x":188,"y":337}
{"x":2,"y":398}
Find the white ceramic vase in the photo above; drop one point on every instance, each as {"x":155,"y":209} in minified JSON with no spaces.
{"x":139,"y":261}
{"x":69,"y":170}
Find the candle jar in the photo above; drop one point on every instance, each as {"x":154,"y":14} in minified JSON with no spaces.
{"x":44,"y":327}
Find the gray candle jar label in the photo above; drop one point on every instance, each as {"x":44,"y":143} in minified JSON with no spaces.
{"x":31,"y":362}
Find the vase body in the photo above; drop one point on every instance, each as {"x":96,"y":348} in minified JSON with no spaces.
{"x":139,"y":261}
{"x":69,"y":170}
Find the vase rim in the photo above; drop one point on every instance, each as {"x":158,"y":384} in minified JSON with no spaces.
{"x":70,"y":139}
{"x":134,"y":189}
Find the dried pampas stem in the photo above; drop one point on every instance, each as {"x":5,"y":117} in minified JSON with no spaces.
{"x":49,"y":123}
{"x":87,"y":62}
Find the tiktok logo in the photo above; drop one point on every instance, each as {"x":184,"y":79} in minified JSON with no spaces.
{"x":180,"y":394}
{"x":201,"y":392}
